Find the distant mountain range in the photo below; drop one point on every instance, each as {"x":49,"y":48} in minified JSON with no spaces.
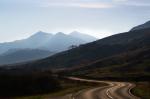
{"x":121,"y":55}
{"x":60,"y":42}
{"x":83,"y":36}
{"x":40,"y":45}
{"x":47,"y":41}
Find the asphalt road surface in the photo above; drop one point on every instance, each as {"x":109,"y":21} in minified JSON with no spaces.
{"x":114,"y":90}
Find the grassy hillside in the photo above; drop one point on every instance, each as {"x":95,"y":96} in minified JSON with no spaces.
{"x":133,"y":65}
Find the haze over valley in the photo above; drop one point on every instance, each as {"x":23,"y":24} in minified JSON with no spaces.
{"x":40,"y":45}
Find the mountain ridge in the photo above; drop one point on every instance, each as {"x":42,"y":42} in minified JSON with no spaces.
{"x":83,"y":36}
{"x":37,"y":41}
{"x":142,"y":26}
{"x":87,"y":53}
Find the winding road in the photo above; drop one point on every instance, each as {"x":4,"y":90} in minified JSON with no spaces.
{"x":114,"y":90}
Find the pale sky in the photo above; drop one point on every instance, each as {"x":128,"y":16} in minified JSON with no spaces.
{"x":22,"y":18}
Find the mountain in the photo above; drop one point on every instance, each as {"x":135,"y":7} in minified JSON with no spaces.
{"x":91,"y":52}
{"x":143,"y":26}
{"x":23,"y":55}
{"x":41,"y":43}
{"x":33,"y":42}
{"x":121,"y":56}
{"x":45,"y":41}
{"x":60,"y":42}
{"x":83,"y":36}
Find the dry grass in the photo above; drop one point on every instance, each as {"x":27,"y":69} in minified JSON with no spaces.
{"x":68,"y":87}
{"x":142,"y":90}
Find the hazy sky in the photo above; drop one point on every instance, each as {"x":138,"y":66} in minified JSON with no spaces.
{"x":21,"y":18}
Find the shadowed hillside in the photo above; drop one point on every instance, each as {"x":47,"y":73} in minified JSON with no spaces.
{"x":132,"y":65}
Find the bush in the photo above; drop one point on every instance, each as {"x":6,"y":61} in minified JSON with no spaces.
{"x":26,"y":84}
